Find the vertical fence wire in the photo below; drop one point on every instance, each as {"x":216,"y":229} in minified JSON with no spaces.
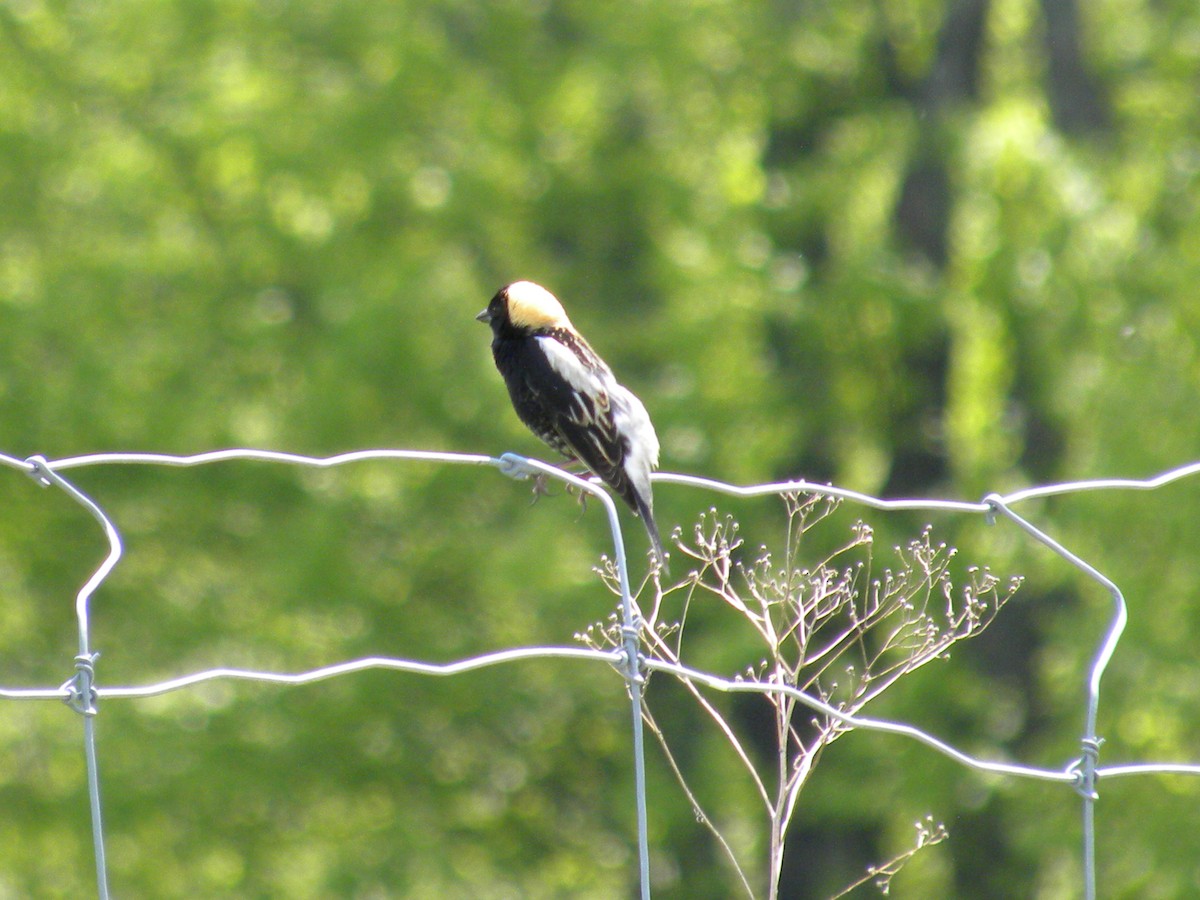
{"x":83,"y":692}
{"x":520,"y":467}
{"x":1090,"y":743}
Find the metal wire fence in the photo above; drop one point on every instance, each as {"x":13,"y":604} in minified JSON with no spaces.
{"x":83,"y":692}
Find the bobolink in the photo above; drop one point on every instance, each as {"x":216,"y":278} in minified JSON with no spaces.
{"x":568,"y":397}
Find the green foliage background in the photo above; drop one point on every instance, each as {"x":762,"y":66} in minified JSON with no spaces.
{"x":913,"y":247}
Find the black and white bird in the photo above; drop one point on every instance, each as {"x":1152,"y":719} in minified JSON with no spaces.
{"x":568,"y":396}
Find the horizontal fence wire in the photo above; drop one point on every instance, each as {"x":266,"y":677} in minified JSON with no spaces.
{"x":83,"y":692}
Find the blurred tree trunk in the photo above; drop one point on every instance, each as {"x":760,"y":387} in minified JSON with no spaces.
{"x":922,"y":213}
{"x":1077,"y":100}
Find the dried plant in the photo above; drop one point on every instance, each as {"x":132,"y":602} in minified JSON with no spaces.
{"x":834,"y":629}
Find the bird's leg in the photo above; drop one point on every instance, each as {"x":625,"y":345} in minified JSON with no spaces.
{"x":541,"y":481}
{"x":541,"y":487}
{"x":581,"y":494}
{"x":579,"y":469}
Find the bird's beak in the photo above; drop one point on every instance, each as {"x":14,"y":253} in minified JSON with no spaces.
{"x":485,"y":317}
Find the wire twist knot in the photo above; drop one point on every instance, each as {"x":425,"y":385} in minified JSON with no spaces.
{"x":39,"y":470}
{"x":81,"y":693}
{"x":630,"y":662}
{"x":1084,"y":768}
{"x":994,"y":503}
{"x":515,"y":466}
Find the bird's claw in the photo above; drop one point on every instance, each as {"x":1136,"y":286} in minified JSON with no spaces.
{"x":581,"y":495}
{"x":541,"y":487}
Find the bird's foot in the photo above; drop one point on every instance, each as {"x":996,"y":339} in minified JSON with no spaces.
{"x":580,"y":494}
{"x":541,"y":487}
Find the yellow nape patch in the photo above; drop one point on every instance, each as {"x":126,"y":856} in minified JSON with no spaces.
{"x":532,"y":306}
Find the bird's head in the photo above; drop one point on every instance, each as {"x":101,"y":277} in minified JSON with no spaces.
{"x":526,"y":307}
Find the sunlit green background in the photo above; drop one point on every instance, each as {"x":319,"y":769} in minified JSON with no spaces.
{"x":916,"y":248}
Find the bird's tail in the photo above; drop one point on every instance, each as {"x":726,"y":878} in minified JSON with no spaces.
{"x":647,"y":514}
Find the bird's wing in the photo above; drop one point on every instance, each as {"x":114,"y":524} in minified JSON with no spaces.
{"x":588,"y":417}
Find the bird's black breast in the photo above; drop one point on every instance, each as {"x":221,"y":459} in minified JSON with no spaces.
{"x":538,"y":393}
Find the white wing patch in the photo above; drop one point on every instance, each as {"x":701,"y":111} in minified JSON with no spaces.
{"x":574,"y":371}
